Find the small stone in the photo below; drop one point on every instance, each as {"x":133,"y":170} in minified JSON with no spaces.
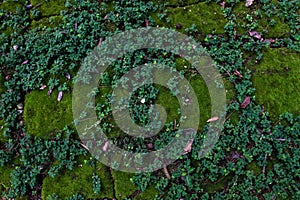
{"x":143,"y":100}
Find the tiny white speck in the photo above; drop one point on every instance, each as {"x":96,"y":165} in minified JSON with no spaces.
{"x":143,"y":100}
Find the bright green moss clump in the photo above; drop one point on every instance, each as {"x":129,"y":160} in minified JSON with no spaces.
{"x":44,"y":114}
{"x":79,"y":180}
{"x":124,"y":188}
{"x":206,"y":17}
{"x":276,"y":80}
{"x":5,"y":178}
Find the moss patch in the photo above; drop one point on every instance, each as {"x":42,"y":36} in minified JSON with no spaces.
{"x":51,"y":22}
{"x":123,"y":187}
{"x":276,"y":80}
{"x":79,"y":180}
{"x":50,"y":7}
{"x":5,"y":177}
{"x":44,"y":114}
{"x":183,"y":2}
{"x":206,"y":17}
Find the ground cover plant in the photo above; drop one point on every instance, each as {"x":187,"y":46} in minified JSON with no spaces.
{"x":255,"y":46}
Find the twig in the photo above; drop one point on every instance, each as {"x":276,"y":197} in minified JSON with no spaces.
{"x":264,"y":167}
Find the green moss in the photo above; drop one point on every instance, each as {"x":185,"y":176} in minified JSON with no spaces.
{"x":280,"y":29}
{"x":11,"y":5}
{"x":44,"y":114}
{"x":218,"y":185}
{"x":79,"y":180}
{"x":51,"y":22}
{"x":123,"y":187}
{"x":50,"y":7}
{"x":276,"y":80}
{"x":183,"y":2}
{"x":206,"y":17}
{"x":148,"y":194}
{"x":5,"y":177}
{"x":253,"y":167}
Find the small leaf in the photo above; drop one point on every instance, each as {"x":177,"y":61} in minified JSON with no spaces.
{"x":213,"y":119}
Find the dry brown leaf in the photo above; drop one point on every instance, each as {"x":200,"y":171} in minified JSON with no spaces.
{"x":43,"y":87}
{"x":104,"y":148}
{"x":249,"y":3}
{"x":237,"y":73}
{"x":213,"y":119}
{"x":188,"y":147}
{"x":246,"y":102}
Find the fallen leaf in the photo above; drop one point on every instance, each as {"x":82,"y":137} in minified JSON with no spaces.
{"x":237,"y":73}
{"x":104,"y":148}
{"x":25,"y":62}
{"x":188,"y":147}
{"x":100,"y":42}
{"x":43,"y":87}
{"x":246,"y":102}
{"x":249,"y":3}
{"x":213,"y":119}
{"x":15,"y":47}
{"x":49,"y":91}
{"x":60,"y":95}
{"x":147,"y":23}
{"x":255,"y":34}
{"x":68,"y":76}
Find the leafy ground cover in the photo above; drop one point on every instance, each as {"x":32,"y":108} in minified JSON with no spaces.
{"x":255,"y":48}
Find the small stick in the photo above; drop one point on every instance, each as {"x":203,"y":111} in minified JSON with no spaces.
{"x":264,"y":167}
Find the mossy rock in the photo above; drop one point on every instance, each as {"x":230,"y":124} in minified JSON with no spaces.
{"x":49,"y":7}
{"x":279,"y":29}
{"x":79,"y":180}
{"x":124,"y":188}
{"x":276,"y":80}
{"x":207,"y":17}
{"x":43,"y":114}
